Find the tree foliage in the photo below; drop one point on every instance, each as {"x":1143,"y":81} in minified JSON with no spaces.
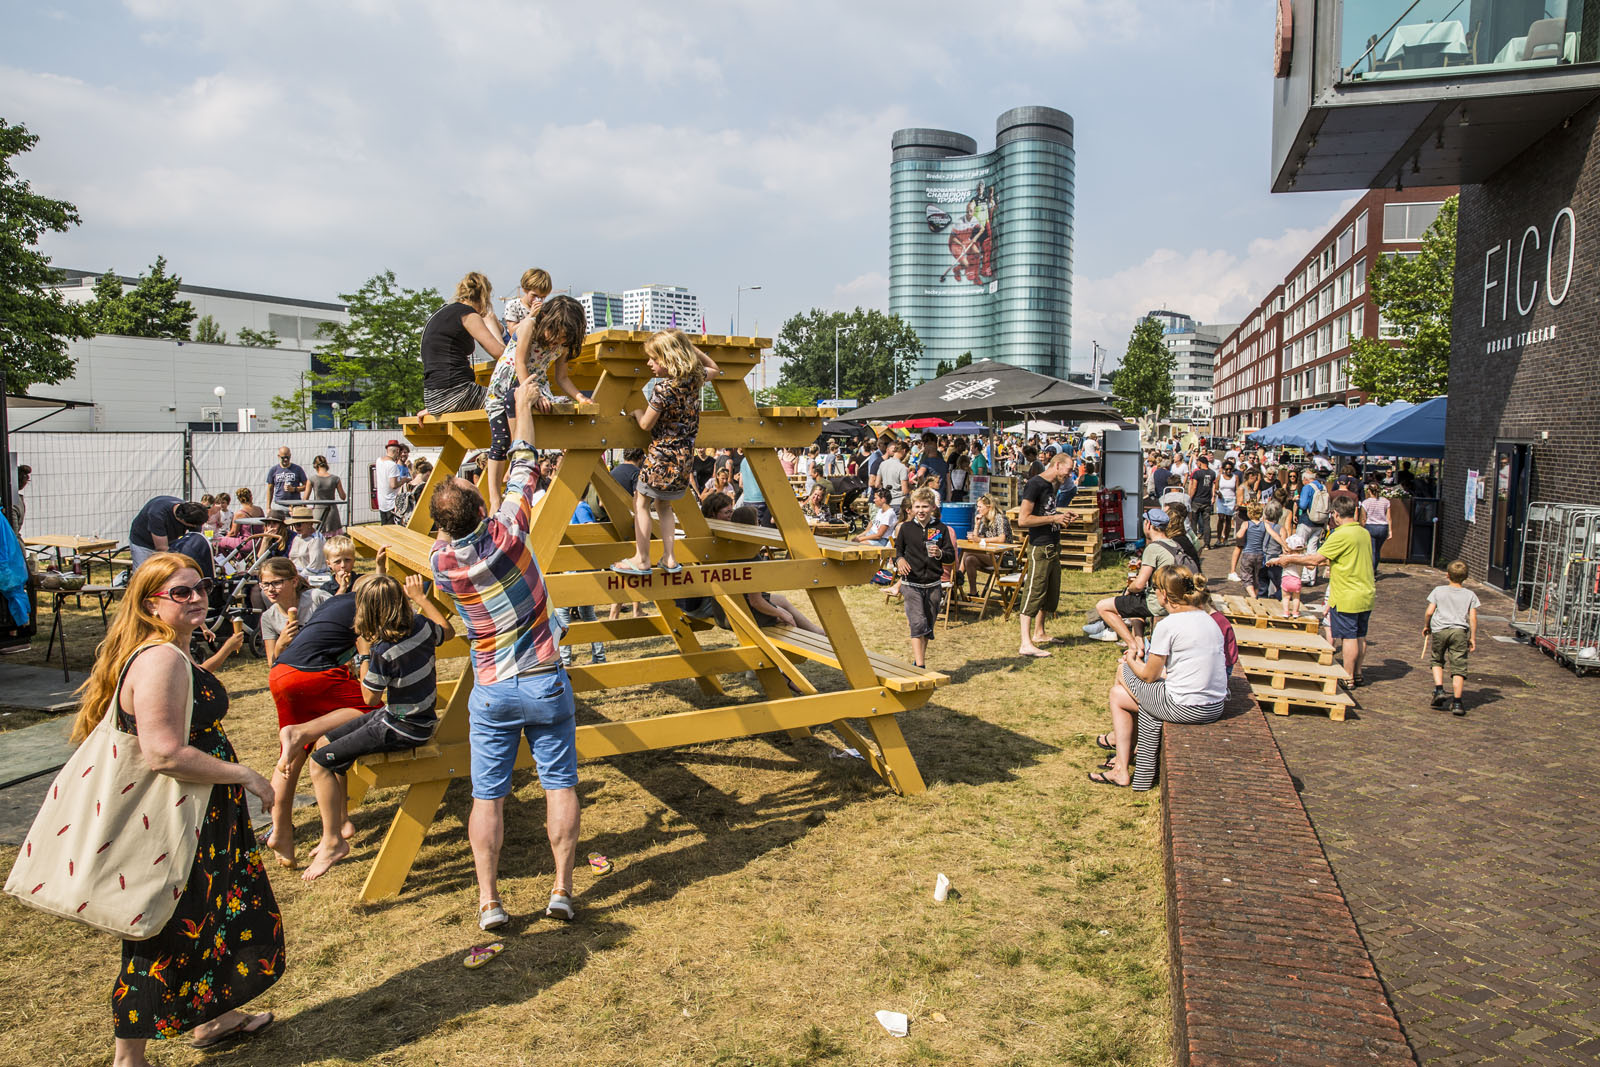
{"x":876,"y":357}
{"x":1144,"y":381}
{"x":256,"y":339}
{"x":788,"y":396}
{"x":207,"y":332}
{"x":292,"y":412}
{"x":151,"y":308}
{"x":377,"y":356}
{"x":35,"y":322}
{"x":1413,"y":294}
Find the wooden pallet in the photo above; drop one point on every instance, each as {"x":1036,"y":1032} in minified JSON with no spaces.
{"x":1267,"y":673}
{"x":1284,"y":644}
{"x":1304,"y":695}
{"x":1257,"y":611}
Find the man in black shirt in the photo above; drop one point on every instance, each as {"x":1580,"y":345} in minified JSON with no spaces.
{"x":1041,"y":589}
{"x":922,"y":547}
{"x":1202,"y":485}
{"x":162,"y":521}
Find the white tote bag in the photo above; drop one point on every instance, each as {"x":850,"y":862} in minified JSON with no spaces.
{"x":114,"y":841}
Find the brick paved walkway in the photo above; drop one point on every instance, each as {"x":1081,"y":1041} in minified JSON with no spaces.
{"x":1469,"y":849}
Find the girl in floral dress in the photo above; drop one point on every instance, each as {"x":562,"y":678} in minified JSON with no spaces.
{"x":546,"y":339}
{"x":223,"y":945}
{"x":672,"y":419}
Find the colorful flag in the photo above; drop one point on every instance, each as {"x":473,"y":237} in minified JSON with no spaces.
{"x":608,"y":314}
{"x":641,"y":316}
{"x":730,"y":325}
{"x":674,"y":322}
{"x":702,"y":325}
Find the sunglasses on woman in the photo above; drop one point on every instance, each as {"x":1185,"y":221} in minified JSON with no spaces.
{"x":182,"y":594}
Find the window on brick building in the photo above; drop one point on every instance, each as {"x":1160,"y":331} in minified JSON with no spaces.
{"x":1346,"y":245}
{"x":1361,"y":230}
{"x":1358,"y":277}
{"x":1358,"y":317}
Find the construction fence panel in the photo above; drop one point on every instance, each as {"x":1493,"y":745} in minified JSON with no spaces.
{"x":92,"y":484}
{"x":224,"y":462}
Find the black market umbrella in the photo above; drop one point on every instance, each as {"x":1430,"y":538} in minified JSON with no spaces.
{"x":988,"y":388}
{"x":843,"y":428}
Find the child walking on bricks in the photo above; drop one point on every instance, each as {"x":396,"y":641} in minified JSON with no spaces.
{"x":1450,"y":631}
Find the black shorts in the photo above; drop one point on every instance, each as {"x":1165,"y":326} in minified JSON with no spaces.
{"x":372,"y":733}
{"x":923,"y":604}
{"x":1132,"y":606}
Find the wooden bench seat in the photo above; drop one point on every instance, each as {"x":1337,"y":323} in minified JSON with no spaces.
{"x":895,"y":674}
{"x":832,"y":547}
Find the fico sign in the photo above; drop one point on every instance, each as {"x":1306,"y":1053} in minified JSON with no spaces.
{"x":1516,"y":271}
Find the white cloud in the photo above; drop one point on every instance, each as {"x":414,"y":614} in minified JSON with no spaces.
{"x":870,"y":290}
{"x":1211,"y":284}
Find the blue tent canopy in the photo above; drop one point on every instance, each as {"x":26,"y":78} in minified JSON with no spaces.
{"x":1356,"y":424}
{"x":1306,"y":434}
{"x":1272,"y":436}
{"x":1416,"y":432}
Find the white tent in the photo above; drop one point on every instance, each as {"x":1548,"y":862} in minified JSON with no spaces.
{"x":1037,"y":426}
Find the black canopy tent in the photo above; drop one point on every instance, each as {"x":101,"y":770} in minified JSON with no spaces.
{"x":986,"y":389}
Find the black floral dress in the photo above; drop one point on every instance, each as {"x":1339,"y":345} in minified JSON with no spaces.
{"x":224,"y":945}
{"x":669,"y":460}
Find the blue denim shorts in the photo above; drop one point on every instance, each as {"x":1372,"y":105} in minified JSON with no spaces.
{"x":500,"y":714}
{"x":1347,"y":625}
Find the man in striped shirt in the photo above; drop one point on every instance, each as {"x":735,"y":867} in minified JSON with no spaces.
{"x":519,"y":688}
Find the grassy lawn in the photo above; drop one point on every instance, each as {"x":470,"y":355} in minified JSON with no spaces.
{"x":768,"y":897}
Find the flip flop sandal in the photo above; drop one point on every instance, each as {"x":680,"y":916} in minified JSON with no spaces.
{"x":676,"y":568}
{"x":478,"y":955}
{"x":629,"y":571}
{"x":560,"y":907}
{"x":600,"y":864}
{"x":1106,"y":779}
{"x":237,"y":1033}
{"x":1101,"y":741}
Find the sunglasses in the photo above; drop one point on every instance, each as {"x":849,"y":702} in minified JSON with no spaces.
{"x":182,"y":594}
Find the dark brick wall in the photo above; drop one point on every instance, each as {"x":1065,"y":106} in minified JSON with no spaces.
{"x":1268,"y":966}
{"x":1525,"y":390}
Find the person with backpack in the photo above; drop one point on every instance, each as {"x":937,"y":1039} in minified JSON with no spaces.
{"x":1313,"y":512}
{"x":1140,"y":602}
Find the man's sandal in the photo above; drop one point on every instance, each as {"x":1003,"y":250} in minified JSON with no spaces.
{"x":560,"y":907}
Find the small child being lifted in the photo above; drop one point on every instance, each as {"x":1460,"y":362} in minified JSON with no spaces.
{"x":546,"y":340}
{"x":673,"y":420}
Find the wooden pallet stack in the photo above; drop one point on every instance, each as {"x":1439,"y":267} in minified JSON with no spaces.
{"x":1289,"y":663}
{"x":1081,"y":539}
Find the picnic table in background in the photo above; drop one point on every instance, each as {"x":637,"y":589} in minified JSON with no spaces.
{"x":994,"y":550}
{"x":89,"y":549}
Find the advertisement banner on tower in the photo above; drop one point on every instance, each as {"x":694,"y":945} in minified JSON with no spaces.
{"x":962,"y":217}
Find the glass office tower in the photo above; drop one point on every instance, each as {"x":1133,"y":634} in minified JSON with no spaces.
{"x":980,"y":246}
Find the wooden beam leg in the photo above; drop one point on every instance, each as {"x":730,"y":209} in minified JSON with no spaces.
{"x":357,"y":782}
{"x":684,"y":637}
{"x":404,"y":840}
{"x":904,"y":778}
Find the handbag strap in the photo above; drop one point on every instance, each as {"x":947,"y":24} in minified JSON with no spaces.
{"x":188,"y":675}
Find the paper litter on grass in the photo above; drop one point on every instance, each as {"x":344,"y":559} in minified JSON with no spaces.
{"x":897,"y":1024}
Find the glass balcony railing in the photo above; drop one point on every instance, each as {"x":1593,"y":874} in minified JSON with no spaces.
{"x":1399,"y":39}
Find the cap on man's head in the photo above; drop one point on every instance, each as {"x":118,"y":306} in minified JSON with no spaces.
{"x":1157,"y":518}
{"x":395,"y":444}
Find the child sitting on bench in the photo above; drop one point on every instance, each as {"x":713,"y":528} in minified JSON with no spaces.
{"x":402,"y":626}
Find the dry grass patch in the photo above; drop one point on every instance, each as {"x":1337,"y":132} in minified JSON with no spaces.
{"x":768,"y":897}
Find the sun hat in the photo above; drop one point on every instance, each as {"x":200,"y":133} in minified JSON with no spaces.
{"x":301,"y":514}
{"x":1157,"y":518}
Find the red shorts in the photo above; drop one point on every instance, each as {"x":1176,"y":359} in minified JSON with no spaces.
{"x":305,"y":695}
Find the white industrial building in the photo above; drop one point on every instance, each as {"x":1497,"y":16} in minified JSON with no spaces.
{"x":594,"y":311}
{"x":1194,"y":357}
{"x":662,"y":307}
{"x":153,"y":384}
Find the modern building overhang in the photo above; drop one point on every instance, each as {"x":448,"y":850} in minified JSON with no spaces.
{"x":1340,"y":124}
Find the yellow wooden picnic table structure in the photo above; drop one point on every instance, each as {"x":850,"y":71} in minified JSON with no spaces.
{"x":716,"y":558}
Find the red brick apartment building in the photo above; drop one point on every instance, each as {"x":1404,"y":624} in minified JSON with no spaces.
{"x":1293,"y":351}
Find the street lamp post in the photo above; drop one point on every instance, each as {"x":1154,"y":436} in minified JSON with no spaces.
{"x":738,"y":308}
{"x":216,"y":424}
{"x":837,"y":330}
{"x":335,"y":414}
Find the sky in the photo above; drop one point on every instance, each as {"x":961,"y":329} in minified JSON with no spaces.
{"x":298,"y":148}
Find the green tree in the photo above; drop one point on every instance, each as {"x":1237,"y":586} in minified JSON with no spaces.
{"x":254,"y":339}
{"x":1413,"y":294}
{"x":942,"y":368}
{"x":789,"y":396}
{"x":150,"y":309}
{"x":1144,"y":381}
{"x":292,"y":412}
{"x":207,"y":332}
{"x":377,"y":356}
{"x":876,"y":356}
{"x":35,"y":322}
{"x":963,"y":360}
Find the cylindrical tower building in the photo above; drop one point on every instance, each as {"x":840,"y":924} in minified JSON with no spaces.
{"x":980,"y":246}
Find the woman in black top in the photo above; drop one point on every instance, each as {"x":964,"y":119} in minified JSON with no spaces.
{"x":448,"y":341}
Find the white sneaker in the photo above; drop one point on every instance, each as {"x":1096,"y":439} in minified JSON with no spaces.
{"x":1092,"y":628}
{"x":1107,"y":634}
{"x":492,"y":916}
{"x":1232,"y":577}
